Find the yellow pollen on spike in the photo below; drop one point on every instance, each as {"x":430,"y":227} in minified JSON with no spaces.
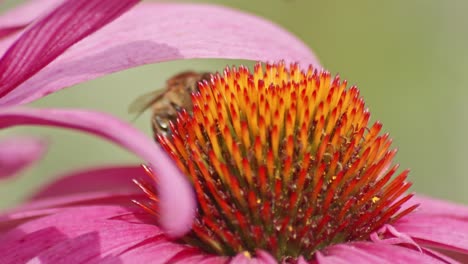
{"x":283,"y":160}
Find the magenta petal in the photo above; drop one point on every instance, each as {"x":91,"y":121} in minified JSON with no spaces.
{"x":368,"y":252}
{"x":448,"y":256}
{"x":265,"y":257}
{"x":76,"y":235}
{"x":348,"y":254}
{"x":321,"y":259}
{"x":49,"y":206}
{"x":93,"y":180}
{"x":159,"y":250}
{"x":155,"y":32}
{"x":177,"y":203}
{"x":442,"y":231}
{"x":17,"y":153}
{"x":437,"y":223}
{"x":6,"y":31}
{"x":27,"y":12}
{"x":53,"y":34}
{"x":434,"y":206}
{"x":92,"y":247}
{"x":19,"y":17}
{"x":301,"y":259}
{"x":262,"y":258}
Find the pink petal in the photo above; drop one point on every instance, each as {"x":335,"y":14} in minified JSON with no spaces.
{"x":18,"y":153}
{"x":77,"y":235}
{"x":177,"y":203}
{"x":194,"y":257}
{"x":262,"y":257}
{"x":436,"y":230}
{"x":53,"y":34}
{"x":27,"y":12}
{"x":155,"y":32}
{"x":161,"y":250}
{"x":6,"y":31}
{"x":432,"y":206}
{"x":348,"y":254}
{"x":301,"y":259}
{"x":437,"y":223}
{"x":389,"y":235}
{"x":102,"y":197}
{"x":241,"y":258}
{"x":321,"y":259}
{"x":19,"y":17}
{"x":265,"y":257}
{"x":448,"y":256}
{"x":93,"y":180}
{"x":39,"y":208}
{"x":368,"y":252}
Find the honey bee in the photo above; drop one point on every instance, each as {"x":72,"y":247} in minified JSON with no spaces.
{"x":167,"y":102}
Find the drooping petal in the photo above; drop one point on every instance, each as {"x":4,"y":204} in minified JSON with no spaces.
{"x":6,"y":31}
{"x":79,"y":234}
{"x":448,"y":256}
{"x":39,"y":208}
{"x":436,"y":230}
{"x":112,"y":178}
{"x":20,"y":16}
{"x":301,"y":259}
{"x":18,"y":153}
{"x":155,"y":32}
{"x":177,"y":204}
{"x":390,"y":235}
{"x":102,"y":197}
{"x":263,"y":258}
{"x":159,"y":250}
{"x":437,"y":223}
{"x":50,"y":36}
{"x":432,"y":206}
{"x":368,"y":252}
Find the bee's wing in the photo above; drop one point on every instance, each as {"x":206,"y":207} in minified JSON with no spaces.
{"x":144,"y":101}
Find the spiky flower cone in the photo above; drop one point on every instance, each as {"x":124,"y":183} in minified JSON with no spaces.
{"x":283,"y":160}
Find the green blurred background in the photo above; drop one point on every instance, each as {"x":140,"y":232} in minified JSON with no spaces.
{"x":407,"y":57}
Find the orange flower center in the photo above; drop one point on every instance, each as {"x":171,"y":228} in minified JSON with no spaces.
{"x":284,"y":160}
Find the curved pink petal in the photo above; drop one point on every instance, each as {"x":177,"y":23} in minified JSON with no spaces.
{"x":177,"y":203}
{"x":79,"y":234}
{"x":50,"y":36}
{"x":368,"y":252}
{"x":113,"y":178}
{"x":20,"y":16}
{"x":441,"y":231}
{"x":18,"y":153}
{"x":155,"y":32}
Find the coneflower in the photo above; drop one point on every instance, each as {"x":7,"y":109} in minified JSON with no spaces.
{"x":280,"y":164}
{"x":283,"y":160}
